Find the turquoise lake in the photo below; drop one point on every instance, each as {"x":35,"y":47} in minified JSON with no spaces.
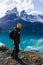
{"x":27,"y":42}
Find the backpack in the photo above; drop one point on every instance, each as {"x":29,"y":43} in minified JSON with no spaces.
{"x":14,"y":34}
{"x":11,"y":35}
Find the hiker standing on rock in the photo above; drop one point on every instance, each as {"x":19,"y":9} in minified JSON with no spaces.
{"x":15,"y":35}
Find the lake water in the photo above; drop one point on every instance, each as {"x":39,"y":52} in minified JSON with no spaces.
{"x":27,"y":42}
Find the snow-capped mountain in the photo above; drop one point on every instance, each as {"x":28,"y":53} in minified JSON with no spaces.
{"x":31,"y":18}
{"x":13,"y":11}
{"x":31,"y":23}
{"x":23,"y":15}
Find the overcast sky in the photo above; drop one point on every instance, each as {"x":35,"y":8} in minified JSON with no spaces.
{"x":30,"y":6}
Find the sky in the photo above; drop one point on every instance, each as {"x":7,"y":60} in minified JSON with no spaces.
{"x":30,"y":6}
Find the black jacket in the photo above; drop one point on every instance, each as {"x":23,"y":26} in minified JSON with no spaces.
{"x":15,"y":34}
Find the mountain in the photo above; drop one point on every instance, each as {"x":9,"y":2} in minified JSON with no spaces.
{"x":24,"y":15}
{"x":31,"y":23}
{"x":13,"y":11}
{"x":31,"y":18}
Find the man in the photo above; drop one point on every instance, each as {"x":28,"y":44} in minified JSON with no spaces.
{"x":16,"y":37}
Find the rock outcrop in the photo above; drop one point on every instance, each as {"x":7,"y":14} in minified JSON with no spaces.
{"x":25,"y":57}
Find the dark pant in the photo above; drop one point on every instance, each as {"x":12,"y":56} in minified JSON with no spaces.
{"x":15,"y":51}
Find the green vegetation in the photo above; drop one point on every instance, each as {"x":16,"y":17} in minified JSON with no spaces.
{"x":3,"y":48}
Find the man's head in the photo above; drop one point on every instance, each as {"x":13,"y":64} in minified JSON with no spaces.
{"x":19,"y":25}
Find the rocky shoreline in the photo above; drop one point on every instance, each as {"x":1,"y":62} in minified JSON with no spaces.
{"x":32,"y":57}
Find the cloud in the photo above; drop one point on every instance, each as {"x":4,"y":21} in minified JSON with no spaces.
{"x":27,"y":5}
{"x":41,"y":0}
{"x":1,"y":1}
{"x":35,"y":12}
{"x":20,"y":4}
{"x":2,"y":9}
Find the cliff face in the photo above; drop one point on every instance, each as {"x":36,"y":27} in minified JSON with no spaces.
{"x":25,"y":57}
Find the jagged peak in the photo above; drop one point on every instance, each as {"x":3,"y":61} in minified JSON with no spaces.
{"x":13,"y":11}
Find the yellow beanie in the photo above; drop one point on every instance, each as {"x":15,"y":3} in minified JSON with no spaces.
{"x":19,"y":25}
